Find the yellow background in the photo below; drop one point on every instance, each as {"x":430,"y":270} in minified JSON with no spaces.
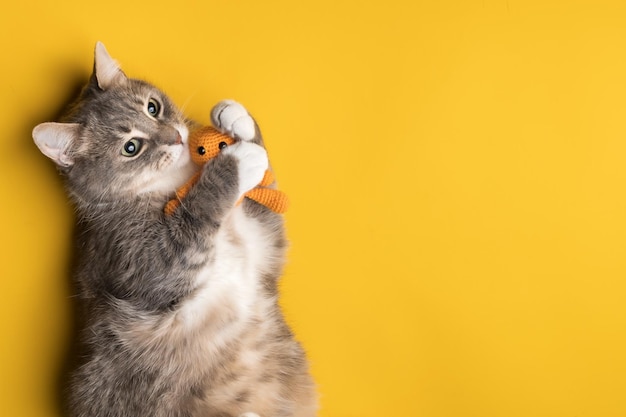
{"x":457,"y":176}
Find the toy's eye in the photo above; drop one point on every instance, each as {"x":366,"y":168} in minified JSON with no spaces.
{"x":153,"y":107}
{"x":201,"y":150}
{"x":132,"y":147}
{"x":222,"y":145}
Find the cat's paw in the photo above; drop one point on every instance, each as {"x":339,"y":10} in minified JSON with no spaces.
{"x":249,"y":415}
{"x":253,"y":163}
{"x":232,"y":118}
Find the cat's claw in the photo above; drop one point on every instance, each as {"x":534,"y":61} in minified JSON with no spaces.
{"x":232,"y":118}
{"x":253,"y":163}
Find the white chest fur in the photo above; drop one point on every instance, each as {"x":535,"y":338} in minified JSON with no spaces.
{"x":229,"y":285}
{"x":229,"y":299}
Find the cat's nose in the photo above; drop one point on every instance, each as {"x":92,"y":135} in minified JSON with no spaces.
{"x":179,"y":139}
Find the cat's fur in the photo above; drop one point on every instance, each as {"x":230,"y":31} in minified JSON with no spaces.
{"x":181,"y":311}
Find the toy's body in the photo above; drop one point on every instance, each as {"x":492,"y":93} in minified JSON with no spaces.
{"x":205,"y":144}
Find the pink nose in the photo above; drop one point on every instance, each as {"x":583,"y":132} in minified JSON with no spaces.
{"x":179,"y":139}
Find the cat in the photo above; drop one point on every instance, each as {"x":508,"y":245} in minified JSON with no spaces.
{"x":181,"y":314}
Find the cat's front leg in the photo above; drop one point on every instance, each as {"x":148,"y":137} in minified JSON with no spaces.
{"x":222,"y":183}
{"x":252,"y":163}
{"x":231,"y":118}
{"x":236,"y":170}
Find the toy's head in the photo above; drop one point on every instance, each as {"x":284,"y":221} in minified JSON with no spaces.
{"x":206,"y":142}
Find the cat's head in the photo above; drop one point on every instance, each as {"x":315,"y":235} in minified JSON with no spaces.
{"x":122,"y":138}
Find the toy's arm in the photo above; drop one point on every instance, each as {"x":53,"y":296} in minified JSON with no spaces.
{"x":268,"y":179}
{"x":274,"y":200}
{"x":174,"y":203}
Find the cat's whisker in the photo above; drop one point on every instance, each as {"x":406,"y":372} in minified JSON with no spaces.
{"x":183,"y":108}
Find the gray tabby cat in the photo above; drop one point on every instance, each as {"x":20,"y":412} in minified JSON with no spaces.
{"x":181,"y":311}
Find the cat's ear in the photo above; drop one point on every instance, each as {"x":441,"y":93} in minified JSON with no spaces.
{"x":106,"y":70}
{"x":55,"y":139}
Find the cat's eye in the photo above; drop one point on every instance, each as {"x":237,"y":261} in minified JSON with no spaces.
{"x":132,"y":147}
{"x":153,"y":107}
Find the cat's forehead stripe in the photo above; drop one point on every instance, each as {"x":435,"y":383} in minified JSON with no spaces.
{"x":136,"y":133}
{"x":123,"y":128}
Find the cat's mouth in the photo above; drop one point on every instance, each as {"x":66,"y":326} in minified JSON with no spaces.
{"x":183,"y":135}
{"x":182,"y":156}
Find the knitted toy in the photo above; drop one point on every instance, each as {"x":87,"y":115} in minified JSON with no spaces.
{"x":205,"y":144}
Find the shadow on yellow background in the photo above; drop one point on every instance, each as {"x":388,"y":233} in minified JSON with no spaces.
{"x":456,"y":171}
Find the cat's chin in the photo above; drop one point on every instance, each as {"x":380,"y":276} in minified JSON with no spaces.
{"x":170,"y":177}
{"x":168,"y":183}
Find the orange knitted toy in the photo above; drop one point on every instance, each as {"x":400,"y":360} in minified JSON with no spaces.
{"x":205,"y":144}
